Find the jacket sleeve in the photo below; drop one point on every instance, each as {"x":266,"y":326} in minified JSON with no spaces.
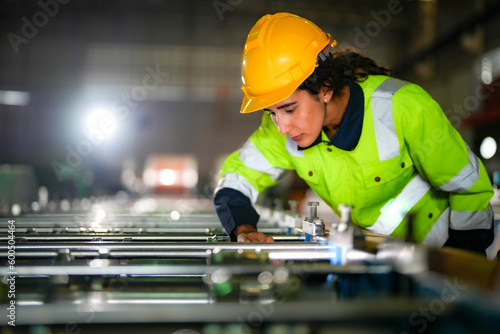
{"x":233,"y":209}
{"x":259,"y":164}
{"x":443,"y":158}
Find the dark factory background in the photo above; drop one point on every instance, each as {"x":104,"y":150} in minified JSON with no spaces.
{"x":115,"y":118}
{"x":92,"y":91}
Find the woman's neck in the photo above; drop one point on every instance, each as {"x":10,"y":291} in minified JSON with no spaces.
{"x":335,"y":110}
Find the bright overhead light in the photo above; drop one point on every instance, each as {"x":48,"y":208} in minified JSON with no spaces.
{"x":488,"y":148}
{"x":101,"y":123}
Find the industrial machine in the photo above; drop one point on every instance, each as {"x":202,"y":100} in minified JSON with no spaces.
{"x":164,"y":265}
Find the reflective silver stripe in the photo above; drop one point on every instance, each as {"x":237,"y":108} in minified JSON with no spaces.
{"x":470,"y":220}
{"x":238,"y":182}
{"x":393,"y":212}
{"x":385,"y":130}
{"x":438,"y":234}
{"x":293,"y":148}
{"x":466,"y":177}
{"x":252,"y":158}
{"x":494,"y":248}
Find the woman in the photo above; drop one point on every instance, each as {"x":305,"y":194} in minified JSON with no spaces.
{"x":356,"y":136}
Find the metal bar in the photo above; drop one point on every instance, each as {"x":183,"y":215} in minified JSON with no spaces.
{"x":298,"y":246}
{"x":104,"y":237}
{"x":360,"y":311}
{"x":318,"y":268}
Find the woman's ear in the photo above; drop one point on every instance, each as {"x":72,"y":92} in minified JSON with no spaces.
{"x":325,"y":95}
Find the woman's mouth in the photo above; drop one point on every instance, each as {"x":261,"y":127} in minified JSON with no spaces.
{"x":297,"y":138}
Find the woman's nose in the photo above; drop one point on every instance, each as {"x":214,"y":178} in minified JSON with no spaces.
{"x":283,"y":125}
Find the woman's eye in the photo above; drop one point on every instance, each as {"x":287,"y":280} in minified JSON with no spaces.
{"x":289,"y":111}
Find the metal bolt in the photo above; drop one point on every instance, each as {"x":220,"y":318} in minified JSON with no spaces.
{"x":345,"y":213}
{"x":313,"y":206}
{"x":65,"y":255}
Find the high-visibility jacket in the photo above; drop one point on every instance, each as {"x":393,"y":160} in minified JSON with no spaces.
{"x":409,"y":161}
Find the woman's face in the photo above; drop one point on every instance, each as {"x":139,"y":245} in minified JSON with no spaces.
{"x":300,"y":117}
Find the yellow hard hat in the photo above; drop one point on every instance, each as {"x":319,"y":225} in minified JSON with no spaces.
{"x":280,"y":53}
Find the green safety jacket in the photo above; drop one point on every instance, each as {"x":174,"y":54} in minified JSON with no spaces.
{"x":409,"y":161}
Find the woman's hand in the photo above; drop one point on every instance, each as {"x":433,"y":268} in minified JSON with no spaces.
{"x":248,"y":233}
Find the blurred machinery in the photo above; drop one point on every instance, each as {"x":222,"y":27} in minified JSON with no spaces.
{"x":18,"y":187}
{"x":164,"y":265}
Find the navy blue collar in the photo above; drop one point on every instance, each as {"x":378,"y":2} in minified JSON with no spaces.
{"x":347,"y":136}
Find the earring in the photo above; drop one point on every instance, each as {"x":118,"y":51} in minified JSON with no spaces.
{"x":326,"y":100}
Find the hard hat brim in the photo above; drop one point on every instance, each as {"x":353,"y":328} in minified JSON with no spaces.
{"x":255,"y":104}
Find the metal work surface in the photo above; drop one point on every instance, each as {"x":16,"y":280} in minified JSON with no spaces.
{"x":169,"y":271}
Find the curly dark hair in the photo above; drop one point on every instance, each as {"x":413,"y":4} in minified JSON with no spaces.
{"x":340,"y":68}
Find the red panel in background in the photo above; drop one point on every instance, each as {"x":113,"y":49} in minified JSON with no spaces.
{"x":172,"y":174}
